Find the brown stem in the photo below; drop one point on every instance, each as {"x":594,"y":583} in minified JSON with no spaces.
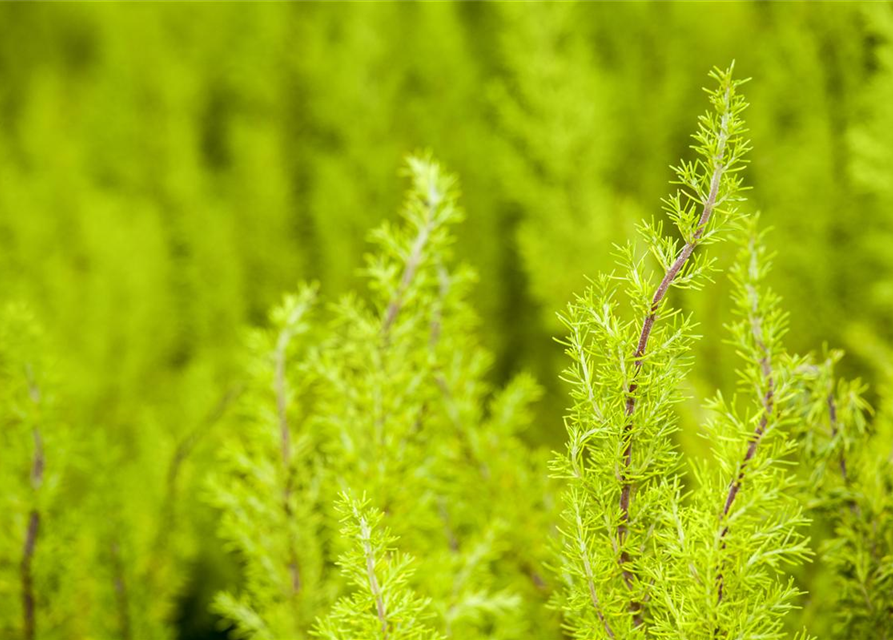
{"x":832,"y":417}
{"x":647,"y":326}
{"x":28,"y":605}
{"x":768,"y":402}
{"x":38,"y":462}
{"x":463,"y":434}
{"x":443,"y":277}
{"x":186,"y":446}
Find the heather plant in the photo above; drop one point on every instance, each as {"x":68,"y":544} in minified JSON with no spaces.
{"x":36,"y":464}
{"x":383,"y":605}
{"x":88,"y":547}
{"x":252,"y":147}
{"x":744,"y":528}
{"x":644,"y":551}
{"x":412,"y":425}
{"x":847,"y":461}
{"x":385,"y":394}
{"x":266,"y":489}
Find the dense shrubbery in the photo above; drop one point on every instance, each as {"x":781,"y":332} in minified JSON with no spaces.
{"x":368,"y":456}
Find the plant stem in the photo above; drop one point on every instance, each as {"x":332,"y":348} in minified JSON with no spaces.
{"x":184,"y":448}
{"x":709,"y":206}
{"x":27,"y":575}
{"x":374,"y":587}
{"x":412,"y":265}
{"x":281,"y":389}
{"x":121,"y":594}
{"x":28,"y":624}
{"x":590,"y":580}
{"x":768,"y":402}
{"x":832,"y":418}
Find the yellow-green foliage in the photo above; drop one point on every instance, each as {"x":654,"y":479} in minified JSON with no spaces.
{"x":169,"y":172}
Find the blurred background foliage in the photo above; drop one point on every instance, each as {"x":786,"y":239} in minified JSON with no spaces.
{"x":167,"y":171}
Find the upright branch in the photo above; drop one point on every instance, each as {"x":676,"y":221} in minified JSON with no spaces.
{"x":383,"y":605}
{"x":182,"y":452}
{"x":849,"y":479}
{"x":836,"y":435}
{"x":721,"y":148}
{"x":841,"y":404}
{"x":752,"y":451}
{"x":33,"y":527}
{"x":374,"y":588}
{"x":267,"y":468}
{"x":410,"y":268}
{"x":768,"y":402}
{"x":626,"y":375}
{"x":590,"y":576}
{"x":832,"y":419}
{"x":757,"y":310}
{"x":430,"y":205}
{"x":291,"y":315}
{"x":749,"y":520}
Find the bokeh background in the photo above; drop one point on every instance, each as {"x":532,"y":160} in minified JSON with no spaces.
{"x":167,"y":171}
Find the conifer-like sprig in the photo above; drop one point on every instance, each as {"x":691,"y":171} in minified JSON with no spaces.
{"x":383,"y":605}
{"x":848,"y":468}
{"x":625,"y":376}
{"x":836,"y":423}
{"x":408,"y":418}
{"x":379,"y":364}
{"x":758,"y":516}
{"x":757,"y":337}
{"x":732,"y":538}
{"x":430,"y":207}
{"x":36,"y":463}
{"x":266,"y":486}
{"x":700,"y":209}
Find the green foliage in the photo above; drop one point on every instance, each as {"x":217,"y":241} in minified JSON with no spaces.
{"x":850,"y":480}
{"x":409,"y":422}
{"x":35,"y":464}
{"x":383,"y":605}
{"x":167,"y":171}
{"x":736,"y":564}
{"x":385,"y":393}
{"x":643,"y":553}
{"x":267,"y":484}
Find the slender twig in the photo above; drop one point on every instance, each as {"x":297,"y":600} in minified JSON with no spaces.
{"x":444,"y":281}
{"x":412,"y":264}
{"x":587,"y":376}
{"x":440,"y":379}
{"x":121,"y":592}
{"x":833,"y":419}
{"x":709,"y":205}
{"x":281,"y":389}
{"x":184,"y":449}
{"x":768,"y":405}
{"x":38,"y":462}
{"x":590,"y":579}
{"x":366,"y":537}
{"x":187,"y":445}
